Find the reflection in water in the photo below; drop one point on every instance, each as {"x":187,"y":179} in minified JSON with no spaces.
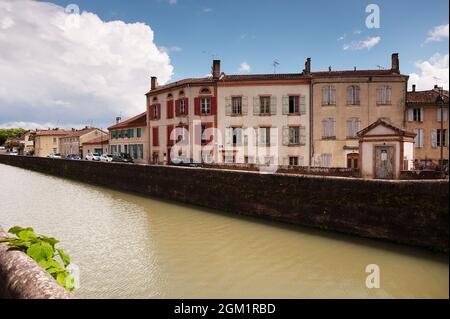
{"x":129,"y":246}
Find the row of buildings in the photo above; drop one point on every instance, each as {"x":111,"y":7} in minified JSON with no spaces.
{"x":299,"y":119}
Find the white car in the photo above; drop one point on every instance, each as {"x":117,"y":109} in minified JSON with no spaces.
{"x":2,"y":148}
{"x":93,"y":157}
{"x":13,"y":153}
{"x":106,"y":158}
{"x":57,"y":155}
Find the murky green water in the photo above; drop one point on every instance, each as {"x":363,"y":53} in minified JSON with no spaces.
{"x":129,"y":246}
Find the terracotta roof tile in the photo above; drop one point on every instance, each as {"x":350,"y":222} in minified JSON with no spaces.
{"x":426,"y":97}
{"x":97,"y":140}
{"x":138,"y":120}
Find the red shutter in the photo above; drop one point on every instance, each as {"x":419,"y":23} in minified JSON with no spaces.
{"x":151,"y":112}
{"x":213,"y":105}
{"x":155,"y":136}
{"x":197,"y":106}
{"x":177,"y":108}
{"x":186,"y":106}
{"x":170,"y":109}
{"x":159,"y":111}
{"x":169,"y":132}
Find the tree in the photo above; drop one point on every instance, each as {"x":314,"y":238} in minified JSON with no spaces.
{"x":10,"y":132}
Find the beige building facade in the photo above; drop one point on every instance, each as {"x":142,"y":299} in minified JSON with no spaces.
{"x":47,"y":142}
{"x":264,"y":119}
{"x":71,"y":143}
{"x":344,"y":102}
{"x":130,"y":137}
{"x":99,"y":145}
{"x":424,"y":117}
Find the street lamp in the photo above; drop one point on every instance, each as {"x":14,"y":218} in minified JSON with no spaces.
{"x":440,"y":104}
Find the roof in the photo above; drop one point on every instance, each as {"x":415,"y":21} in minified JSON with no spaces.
{"x":426,"y":97}
{"x":78,"y":133}
{"x":351,"y":73}
{"x":263,"y":77}
{"x":385,"y":124}
{"x":50,"y":132}
{"x":204,"y":80}
{"x":97,"y":140}
{"x":138,"y":120}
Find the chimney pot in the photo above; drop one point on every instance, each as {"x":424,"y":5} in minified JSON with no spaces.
{"x":154,"y":80}
{"x":308,"y":66}
{"x":118,"y":120}
{"x":414,"y":88}
{"x":395,"y":63}
{"x":216,"y":69}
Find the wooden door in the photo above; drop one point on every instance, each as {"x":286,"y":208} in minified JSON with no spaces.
{"x":353,"y":161}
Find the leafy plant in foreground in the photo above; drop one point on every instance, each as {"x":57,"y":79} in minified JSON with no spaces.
{"x":42,"y":250}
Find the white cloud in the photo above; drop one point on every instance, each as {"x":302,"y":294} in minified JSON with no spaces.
{"x":438,"y":33}
{"x":172,"y":2}
{"x":342,"y":37}
{"x":53,"y":71}
{"x":368,"y":44}
{"x":433,"y":71}
{"x":171,"y":49}
{"x":207,"y":10}
{"x":244,"y":67}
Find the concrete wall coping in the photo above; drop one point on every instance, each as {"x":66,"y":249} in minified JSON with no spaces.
{"x":22,"y":278}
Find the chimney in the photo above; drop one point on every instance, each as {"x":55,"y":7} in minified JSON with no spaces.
{"x":307,"y":66}
{"x":395,"y":63}
{"x":414,"y":88}
{"x":118,"y":120}
{"x":436,"y":87}
{"x":216,"y":69}
{"x":154,"y":82}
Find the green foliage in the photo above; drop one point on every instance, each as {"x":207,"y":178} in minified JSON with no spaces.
{"x":42,"y":250}
{"x":5,"y":133}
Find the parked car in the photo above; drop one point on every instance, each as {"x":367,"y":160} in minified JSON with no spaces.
{"x":2,"y":148}
{"x":106,"y":158}
{"x":13,"y":153}
{"x":93,"y":157}
{"x":123,"y":158}
{"x":73,"y":157}
{"x":56,"y":155}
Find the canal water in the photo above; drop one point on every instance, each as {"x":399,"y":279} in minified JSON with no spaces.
{"x":130,"y":246}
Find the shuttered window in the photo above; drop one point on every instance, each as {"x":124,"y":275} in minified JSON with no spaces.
{"x":353,"y":127}
{"x":419,"y":138}
{"x":155,"y":133}
{"x":384,"y":95}
{"x":328,"y":95}
{"x":328,"y":128}
{"x":353,"y":95}
{"x":325,"y":160}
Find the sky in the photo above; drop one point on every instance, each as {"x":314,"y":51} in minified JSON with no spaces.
{"x":84,"y":62}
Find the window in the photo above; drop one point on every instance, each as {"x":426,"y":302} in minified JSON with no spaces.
{"x":54,"y":140}
{"x":205,"y":105}
{"x":293,"y":161}
{"x":353,"y":95}
{"x":236,"y":105}
{"x":417,"y":115}
{"x":294,"y":135}
{"x":139,"y":132}
{"x":419,"y":137}
{"x":155,"y":111}
{"x":237,"y":136}
{"x":204,"y":139}
{"x":329,"y":95}
{"x":182,"y":107}
{"x":264,"y":135}
{"x":441,"y":138}
{"x":328,"y":128}
{"x":264,"y":105}
{"x":440,"y":112}
{"x":294,"y":105}
{"x":325,"y":160}
{"x":353,"y":125}
{"x":384,"y":95}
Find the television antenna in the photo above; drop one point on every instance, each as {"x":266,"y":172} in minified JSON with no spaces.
{"x":275,"y":64}
{"x":380,"y":67}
